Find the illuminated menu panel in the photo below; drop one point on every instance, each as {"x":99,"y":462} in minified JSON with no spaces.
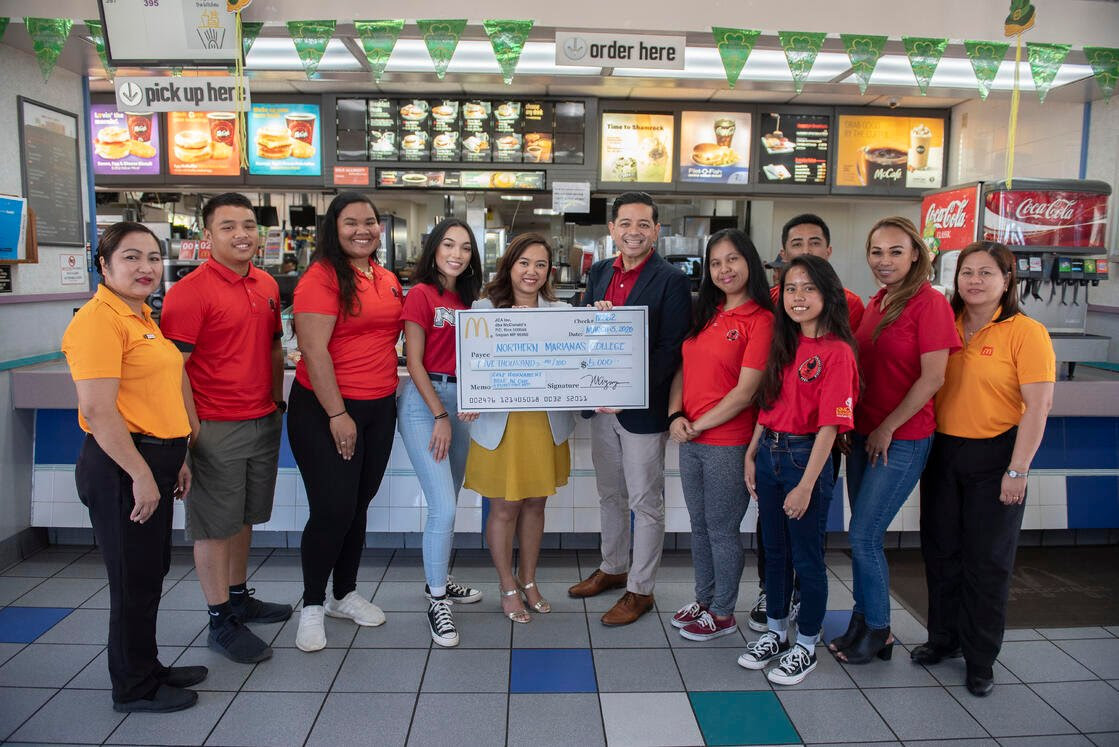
{"x":890,"y":152}
{"x":636,"y":147}
{"x":715,"y":147}
{"x":461,"y":179}
{"x":794,"y":148}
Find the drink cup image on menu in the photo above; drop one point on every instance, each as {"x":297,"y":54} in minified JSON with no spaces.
{"x":123,"y":142}
{"x":202,"y":143}
{"x":920,"y":143}
{"x":284,"y":139}
{"x":890,"y":151}
{"x":882,"y":165}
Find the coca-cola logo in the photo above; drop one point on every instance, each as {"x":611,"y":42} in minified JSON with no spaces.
{"x":952,"y":215}
{"x":892,"y":175}
{"x":1057,"y":209}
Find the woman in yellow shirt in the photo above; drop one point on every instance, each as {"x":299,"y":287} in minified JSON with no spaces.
{"x":990,"y":417}
{"x":131,"y":403}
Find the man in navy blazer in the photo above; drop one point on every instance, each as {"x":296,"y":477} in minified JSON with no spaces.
{"x":627,"y":446}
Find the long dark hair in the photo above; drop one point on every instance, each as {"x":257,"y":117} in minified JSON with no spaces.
{"x":469,"y":283}
{"x":500,"y":290}
{"x":915,"y":279}
{"x":709,"y":297}
{"x":833,"y":320}
{"x":1004,"y":258}
{"x":328,"y":250}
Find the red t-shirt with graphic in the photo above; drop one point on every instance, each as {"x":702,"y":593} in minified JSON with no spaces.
{"x":818,"y":388}
{"x":435,"y":313}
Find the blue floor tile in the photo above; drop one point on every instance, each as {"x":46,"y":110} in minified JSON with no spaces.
{"x":25,"y":624}
{"x":545,"y":670}
{"x":835,"y":624}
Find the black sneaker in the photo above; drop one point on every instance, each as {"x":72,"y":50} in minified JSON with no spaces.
{"x":251,"y":610}
{"x":165,"y":699}
{"x":182,"y":676}
{"x":762,"y":651}
{"x":441,"y":623}
{"x":793,"y":667}
{"x":458,"y":593}
{"x":758,"y":621}
{"x":237,"y":643}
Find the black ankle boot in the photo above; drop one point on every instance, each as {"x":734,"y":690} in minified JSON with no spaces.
{"x":872,"y":643}
{"x":855,"y":630}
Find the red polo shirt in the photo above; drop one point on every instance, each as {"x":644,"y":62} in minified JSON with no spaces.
{"x":362,"y":347}
{"x":818,"y":389}
{"x":227,"y":322}
{"x":855,"y":308}
{"x":892,"y":363}
{"x":623,"y":280}
{"x":435,"y":313}
{"x":713,"y":362}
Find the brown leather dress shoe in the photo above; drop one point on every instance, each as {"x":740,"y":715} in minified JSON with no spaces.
{"x":627,"y":609}
{"x":597,"y":583}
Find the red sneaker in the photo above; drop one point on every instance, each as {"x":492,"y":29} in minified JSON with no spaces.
{"x":688,"y":614}
{"x":707,"y":627}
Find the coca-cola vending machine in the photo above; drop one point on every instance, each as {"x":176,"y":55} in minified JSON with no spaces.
{"x":1057,"y":231}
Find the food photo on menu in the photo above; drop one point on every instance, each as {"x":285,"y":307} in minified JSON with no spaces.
{"x":715,"y":147}
{"x":284,"y":139}
{"x":124,"y":142}
{"x":794,"y":148}
{"x":636,"y":147}
{"x":890,"y":151}
{"x":203,"y":144}
{"x":476,"y":131}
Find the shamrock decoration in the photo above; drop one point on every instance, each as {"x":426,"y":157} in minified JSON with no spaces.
{"x":734,"y":47}
{"x":1105,"y":66}
{"x":801,"y":48}
{"x":1021,"y":18}
{"x":864,"y":52}
{"x":985,"y":57}
{"x":924,"y":56}
{"x":441,"y":38}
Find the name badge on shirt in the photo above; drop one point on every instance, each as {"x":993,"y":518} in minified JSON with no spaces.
{"x":149,"y":336}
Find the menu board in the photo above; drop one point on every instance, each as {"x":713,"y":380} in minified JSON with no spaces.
{"x":51,"y":177}
{"x":445,"y":130}
{"x":636,"y":147}
{"x":891,"y":152}
{"x":284,"y":140}
{"x":414,"y":131}
{"x":794,"y":148}
{"x":383,"y":132}
{"x":353,"y":142}
{"x":477,"y":131}
{"x":123,"y":143}
{"x":203,"y":144}
{"x":508,"y":133}
{"x":715,"y":147}
{"x":537,"y":123}
{"x":424,"y":178}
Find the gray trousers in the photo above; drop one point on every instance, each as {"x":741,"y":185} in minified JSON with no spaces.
{"x":629,"y":470}
{"x":716,"y":496}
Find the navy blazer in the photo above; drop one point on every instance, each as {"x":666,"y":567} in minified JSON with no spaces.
{"x":667,"y":293}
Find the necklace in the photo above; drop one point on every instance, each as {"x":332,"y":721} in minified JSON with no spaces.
{"x":367,"y":271}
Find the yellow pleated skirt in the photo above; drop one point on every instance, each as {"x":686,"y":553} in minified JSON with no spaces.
{"x":526,"y":464}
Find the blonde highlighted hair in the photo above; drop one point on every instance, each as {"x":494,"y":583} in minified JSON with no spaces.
{"x":893,"y":303}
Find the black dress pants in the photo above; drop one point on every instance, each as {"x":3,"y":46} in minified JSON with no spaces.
{"x":968,"y":541}
{"x":137,"y":557}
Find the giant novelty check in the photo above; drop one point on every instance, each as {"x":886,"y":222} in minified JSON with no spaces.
{"x":552,"y":359}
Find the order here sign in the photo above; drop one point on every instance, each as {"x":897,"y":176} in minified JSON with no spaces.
{"x":620,"y":50}
{"x":158,"y":94}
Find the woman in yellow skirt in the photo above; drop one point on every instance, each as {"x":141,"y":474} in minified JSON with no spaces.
{"x":518,"y":459}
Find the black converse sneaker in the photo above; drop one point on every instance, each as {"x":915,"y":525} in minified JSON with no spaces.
{"x":458,"y":593}
{"x":762,"y":651}
{"x":441,"y":623}
{"x":793,"y":667}
{"x":758,"y":622}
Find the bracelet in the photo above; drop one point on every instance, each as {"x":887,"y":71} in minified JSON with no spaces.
{"x":677,"y":414}
{"x":442,"y":415}
{"x":331,"y":417}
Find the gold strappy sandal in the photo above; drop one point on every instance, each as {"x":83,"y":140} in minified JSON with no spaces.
{"x":518,"y":616}
{"x":542,"y":606}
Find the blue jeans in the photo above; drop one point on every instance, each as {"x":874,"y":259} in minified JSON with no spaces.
{"x":440,"y":481}
{"x":877,"y":494}
{"x":781,"y":462}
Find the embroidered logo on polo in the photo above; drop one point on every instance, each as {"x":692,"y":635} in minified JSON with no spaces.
{"x":987,"y":351}
{"x":444,"y":317}
{"x":844,"y":411}
{"x":811,"y":369}
{"x":732,"y":334}
{"x":395,"y":292}
{"x":272,"y":303}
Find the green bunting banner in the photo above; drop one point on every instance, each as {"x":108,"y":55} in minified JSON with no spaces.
{"x":378,"y":39}
{"x":97,"y":35}
{"x":734,"y":47}
{"x":1045,"y":61}
{"x":986,"y":57}
{"x":311,"y":38}
{"x":801,"y":49}
{"x":441,"y":38}
{"x":924,"y":56}
{"x":48,"y":36}
{"x":507,"y":39}
{"x":250,"y":30}
{"x":863,"y":51}
{"x":1105,"y":66}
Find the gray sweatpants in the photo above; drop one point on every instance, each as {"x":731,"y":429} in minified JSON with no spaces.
{"x":715,"y":492}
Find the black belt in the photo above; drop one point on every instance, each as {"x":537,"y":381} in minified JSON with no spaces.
{"x":443,"y":377}
{"x":776,"y":436}
{"x":141,"y":438}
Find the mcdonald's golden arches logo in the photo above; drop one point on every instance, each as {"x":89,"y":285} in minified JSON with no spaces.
{"x":476,"y":325}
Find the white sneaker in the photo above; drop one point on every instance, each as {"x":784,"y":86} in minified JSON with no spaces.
{"x":355,"y":607}
{"x":311,"y":635}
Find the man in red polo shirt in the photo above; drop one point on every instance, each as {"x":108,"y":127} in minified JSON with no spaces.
{"x":225,"y":318}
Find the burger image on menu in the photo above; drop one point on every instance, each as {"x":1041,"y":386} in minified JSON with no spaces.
{"x":473,"y":111}
{"x":274,"y":142}
{"x":414,"y":111}
{"x":192,"y":146}
{"x":713,"y":154}
{"x":113,"y":143}
{"x":443,"y":111}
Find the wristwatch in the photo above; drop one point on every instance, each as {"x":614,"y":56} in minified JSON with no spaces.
{"x":1015,"y":474}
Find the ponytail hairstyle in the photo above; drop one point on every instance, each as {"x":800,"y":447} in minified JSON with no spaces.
{"x":833,"y":320}
{"x":893,"y":303}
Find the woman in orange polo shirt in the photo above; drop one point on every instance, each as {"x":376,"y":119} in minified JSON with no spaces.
{"x":342,"y":407}
{"x":713,"y":418}
{"x":990,"y":418}
{"x":131,"y":401}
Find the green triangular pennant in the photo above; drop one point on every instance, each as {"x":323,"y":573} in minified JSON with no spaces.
{"x":924,"y":56}
{"x":97,"y":35}
{"x":1045,"y":61}
{"x":735,"y":46}
{"x":378,"y":38}
{"x":311,"y":38}
{"x":863,"y":51}
{"x":4,"y":26}
{"x":801,"y":48}
{"x":250,"y":30}
{"x":48,"y":36}
{"x":507,"y":39}
{"x":177,"y":71}
{"x":986,"y":57}
{"x":1105,"y":66}
{"x":441,"y":38}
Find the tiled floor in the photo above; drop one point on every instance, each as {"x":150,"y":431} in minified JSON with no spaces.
{"x":563,"y":679}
